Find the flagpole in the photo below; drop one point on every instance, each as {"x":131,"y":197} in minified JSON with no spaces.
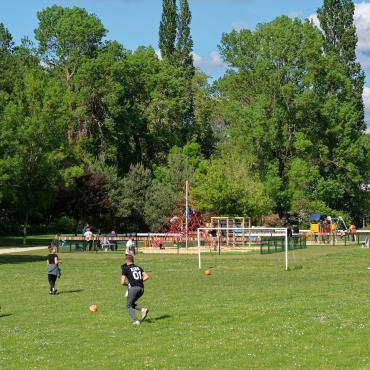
{"x":186,"y":212}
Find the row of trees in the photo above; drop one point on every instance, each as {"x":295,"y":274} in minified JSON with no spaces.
{"x":92,"y":132}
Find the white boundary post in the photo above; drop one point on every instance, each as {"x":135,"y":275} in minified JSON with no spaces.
{"x":199,"y":259}
{"x":186,"y":212}
{"x":286,"y":249}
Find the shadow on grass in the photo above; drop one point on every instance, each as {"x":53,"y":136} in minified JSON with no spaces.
{"x":71,"y":291}
{"x":5,"y":314}
{"x":154,"y":319}
{"x":15,"y":258}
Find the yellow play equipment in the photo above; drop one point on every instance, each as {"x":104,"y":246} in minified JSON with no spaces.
{"x":322,"y":227}
{"x":335,"y":223}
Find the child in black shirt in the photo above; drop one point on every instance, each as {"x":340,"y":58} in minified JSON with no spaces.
{"x":134,"y":276}
{"x":53,"y":268}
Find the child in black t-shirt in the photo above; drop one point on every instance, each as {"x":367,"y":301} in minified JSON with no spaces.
{"x":134,"y":276}
{"x":53,"y":268}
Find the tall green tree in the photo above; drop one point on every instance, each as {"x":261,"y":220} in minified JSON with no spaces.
{"x":181,"y":166}
{"x":168,"y":30}
{"x":347,"y":157}
{"x":294,"y":109}
{"x":266,"y":98}
{"x":8,"y":64}
{"x":130,"y":196}
{"x":6,"y":39}
{"x":138,"y":140}
{"x":89,"y":200}
{"x":32,"y":144}
{"x":159,"y":204}
{"x":66,"y":36}
{"x":228,"y":185}
{"x":70,"y":44}
{"x":184,"y":45}
{"x":205,"y":114}
{"x":337,"y":24}
{"x":95,"y":110}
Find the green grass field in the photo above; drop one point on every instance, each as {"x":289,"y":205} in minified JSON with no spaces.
{"x":249,"y":314}
{"x":17,"y":241}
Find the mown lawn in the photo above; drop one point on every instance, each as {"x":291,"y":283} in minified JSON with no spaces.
{"x":249,"y":314}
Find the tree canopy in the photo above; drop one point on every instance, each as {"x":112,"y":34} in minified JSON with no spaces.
{"x":93,"y":132}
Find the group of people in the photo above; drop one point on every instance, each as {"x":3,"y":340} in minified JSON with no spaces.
{"x":105,"y":243}
{"x":326,"y":228}
{"x":132,"y":276}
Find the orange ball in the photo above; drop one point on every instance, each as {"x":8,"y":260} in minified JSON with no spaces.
{"x":207,"y":272}
{"x":93,"y":308}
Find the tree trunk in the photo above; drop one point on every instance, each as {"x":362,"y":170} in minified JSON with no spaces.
{"x":77,"y":229}
{"x":25,"y":229}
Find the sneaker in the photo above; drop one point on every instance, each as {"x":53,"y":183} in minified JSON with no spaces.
{"x":137,"y":322}
{"x":144,"y":313}
{"x":54,"y":292}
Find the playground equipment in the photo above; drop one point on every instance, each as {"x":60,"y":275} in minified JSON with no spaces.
{"x":184,"y":222}
{"x":232,"y":230}
{"x":323,"y":227}
{"x":258,"y":234}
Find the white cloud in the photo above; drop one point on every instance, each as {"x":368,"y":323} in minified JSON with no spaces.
{"x":159,"y":54}
{"x":362,"y":22}
{"x":212,"y":64}
{"x":313,"y":18}
{"x":366,"y":99}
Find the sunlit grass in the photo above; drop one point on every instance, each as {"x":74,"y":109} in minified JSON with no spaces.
{"x":249,"y":313}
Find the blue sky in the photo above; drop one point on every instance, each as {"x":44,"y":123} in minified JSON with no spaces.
{"x":136,"y":22}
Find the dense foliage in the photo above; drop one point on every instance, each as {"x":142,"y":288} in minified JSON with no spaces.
{"x":92,"y":132}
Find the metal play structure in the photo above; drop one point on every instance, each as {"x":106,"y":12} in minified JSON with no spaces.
{"x":325,"y":229}
{"x":231,"y":230}
{"x":184,"y":222}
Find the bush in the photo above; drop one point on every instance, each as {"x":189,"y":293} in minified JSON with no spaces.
{"x":272,"y":220}
{"x":64,"y":224}
{"x":60,"y":225}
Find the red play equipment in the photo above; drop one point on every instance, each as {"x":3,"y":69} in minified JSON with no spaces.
{"x":176,"y":225}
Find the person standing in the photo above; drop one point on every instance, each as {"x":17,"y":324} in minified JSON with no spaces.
{"x":327,"y":231}
{"x":321,"y":231}
{"x":53,"y":268}
{"x":114,"y":242}
{"x":134,"y":276}
{"x":130,"y":246}
{"x":89,"y":238}
{"x":84,"y":228}
{"x":353,"y":230}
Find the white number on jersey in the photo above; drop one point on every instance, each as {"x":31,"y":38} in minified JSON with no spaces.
{"x":136,"y":275}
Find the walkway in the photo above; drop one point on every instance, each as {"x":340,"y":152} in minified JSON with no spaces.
{"x":19,"y":249}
